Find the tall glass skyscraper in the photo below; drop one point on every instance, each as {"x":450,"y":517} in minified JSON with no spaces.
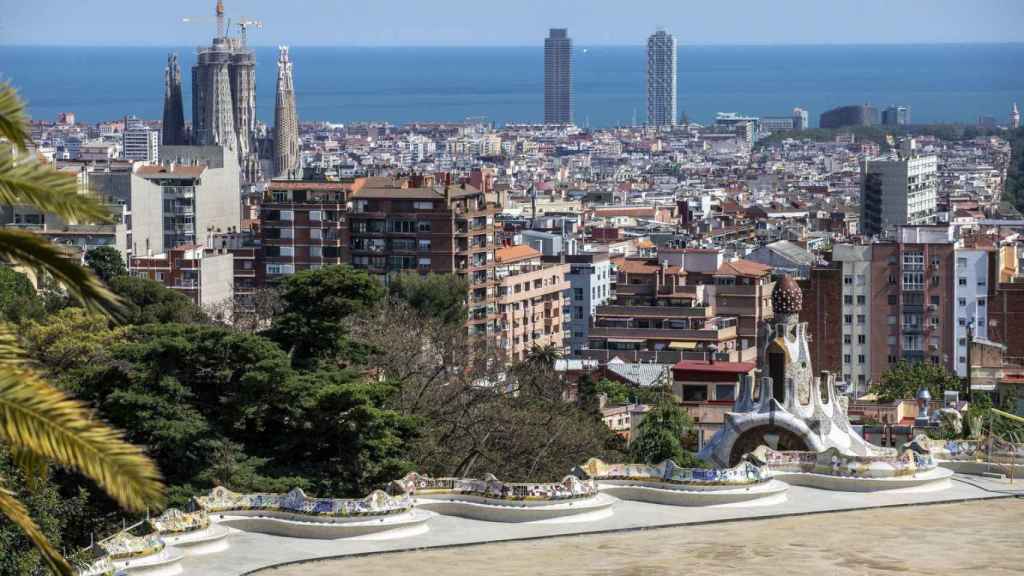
{"x":661,"y":79}
{"x":558,"y":77}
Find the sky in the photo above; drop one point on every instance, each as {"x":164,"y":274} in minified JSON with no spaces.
{"x":514,"y":22}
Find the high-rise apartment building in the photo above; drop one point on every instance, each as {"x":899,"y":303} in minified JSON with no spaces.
{"x":590,"y":285}
{"x":224,"y":98}
{"x":191,"y":194}
{"x":558,"y":77}
{"x":303,"y":225}
{"x":173,"y":127}
{"x":422,"y":225}
{"x":898,"y":191}
{"x":530,"y":301}
{"x":1014,"y":117}
{"x":896,"y":116}
{"x":139,"y":142}
{"x":286,"y":122}
{"x":661,"y":79}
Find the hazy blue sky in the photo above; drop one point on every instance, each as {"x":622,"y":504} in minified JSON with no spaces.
{"x":517,"y":22}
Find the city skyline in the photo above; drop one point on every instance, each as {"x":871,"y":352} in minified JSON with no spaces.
{"x":457,"y":23}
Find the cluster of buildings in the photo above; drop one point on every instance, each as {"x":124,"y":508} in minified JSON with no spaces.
{"x":646,"y":254}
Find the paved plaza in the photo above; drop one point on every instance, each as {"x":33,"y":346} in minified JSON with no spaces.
{"x":251,"y":551}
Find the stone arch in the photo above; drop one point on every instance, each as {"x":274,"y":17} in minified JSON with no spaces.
{"x":774,"y":436}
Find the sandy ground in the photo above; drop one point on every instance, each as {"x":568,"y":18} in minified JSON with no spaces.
{"x":984,"y":537}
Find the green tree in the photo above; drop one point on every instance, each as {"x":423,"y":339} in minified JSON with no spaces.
{"x":19,"y":300}
{"x":441,"y":296}
{"x":106,"y":263}
{"x":903,"y":380}
{"x":660,"y":436}
{"x":39,"y":423}
{"x":149,"y":302}
{"x":315,"y":307}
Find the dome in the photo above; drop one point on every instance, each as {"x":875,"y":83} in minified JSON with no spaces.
{"x":787,"y":298}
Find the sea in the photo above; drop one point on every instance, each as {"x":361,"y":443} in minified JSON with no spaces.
{"x":941,"y":83}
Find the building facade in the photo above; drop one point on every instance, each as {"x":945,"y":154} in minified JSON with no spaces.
{"x":661,"y":79}
{"x":590,"y":286}
{"x":896,"y":116}
{"x":530,"y":299}
{"x":206,"y":277}
{"x":849,"y":116}
{"x":140,"y":143}
{"x":558,"y":77}
{"x":421,"y":225}
{"x":304,"y":225}
{"x":899,"y":191}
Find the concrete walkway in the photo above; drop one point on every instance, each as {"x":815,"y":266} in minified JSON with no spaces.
{"x":250,"y":551}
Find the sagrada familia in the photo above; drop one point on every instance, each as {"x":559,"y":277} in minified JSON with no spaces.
{"x":224,"y":104}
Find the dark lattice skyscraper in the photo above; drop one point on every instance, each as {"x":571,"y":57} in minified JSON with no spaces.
{"x":286,"y":122}
{"x":558,"y":77}
{"x":661,"y":79}
{"x":174,"y":116}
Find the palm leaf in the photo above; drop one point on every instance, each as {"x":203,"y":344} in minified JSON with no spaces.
{"x":38,"y":417}
{"x":26,"y":181}
{"x":31,"y":250}
{"x":16,"y":513}
{"x":13,"y":120}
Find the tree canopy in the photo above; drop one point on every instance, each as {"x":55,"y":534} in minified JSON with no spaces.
{"x":148,"y":302}
{"x":660,"y":436}
{"x":903,"y":380}
{"x":106,"y":263}
{"x":441,"y":296}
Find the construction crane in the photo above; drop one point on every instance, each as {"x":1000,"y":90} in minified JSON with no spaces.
{"x":244,"y":24}
{"x":219,"y":17}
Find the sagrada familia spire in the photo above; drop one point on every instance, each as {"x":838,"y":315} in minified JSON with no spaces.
{"x":286,"y":122}
{"x":174,"y":116}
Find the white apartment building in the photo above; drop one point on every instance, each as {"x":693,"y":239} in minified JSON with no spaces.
{"x":970,"y":299}
{"x":899,"y":191}
{"x":589,"y":279}
{"x":141,"y":143}
{"x":856,"y":314}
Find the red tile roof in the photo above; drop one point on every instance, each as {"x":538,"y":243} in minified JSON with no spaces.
{"x":515,"y":253}
{"x":743,"y":268}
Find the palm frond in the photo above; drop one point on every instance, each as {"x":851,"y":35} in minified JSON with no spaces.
{"x":11,"y":507}
{"x":31,"y":250}
{"x":13,"y":120}
{"x":28,"y":182}
{"x":11,"y":352}
{"x":38,"y":417}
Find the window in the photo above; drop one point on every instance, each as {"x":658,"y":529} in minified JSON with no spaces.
{"x":891,"y":320}
{"x":961,"y":262}
{"x":316,"y":251}
{"x":288,"y":251}
{"x":287,"y":233}
{"x":424,"y":245}
{"x":860,"y":359}
{"x":861,"y":300}
{"x":860,"y":318}
{"x":848,"y":300}
{"x":860,"y":279}
{"x":847,"y":339}
{"x":287,"y":215}
{"x":316,"y":215}
{"x":935,"y":300}
{"x":936,"y":261}
{"x":962,"y":301}
{"x":846,"y":358}
{"x":424,"y":262}
{"x":725,"y":392}
{"x":961,"y":281}
{"x":848,"y":280}
{"x":892,"y":299}
{"x":848,"y":318}
{"x":423,"y":205}
{"x":316,"y":234}
{"x":861,"y":339}
{"x":981,"y":302}
{"x":423,"y":226}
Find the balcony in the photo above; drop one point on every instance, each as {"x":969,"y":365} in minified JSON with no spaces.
{"x":706,"y":335}
{"x":661,"y":312}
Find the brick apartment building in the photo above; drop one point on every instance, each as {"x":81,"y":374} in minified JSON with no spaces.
{"x":205,"y":276}
{"x":419,"y":224}
{"x":304,"y":225}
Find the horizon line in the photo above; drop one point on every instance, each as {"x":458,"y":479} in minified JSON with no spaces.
{"x":538,"y":46}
